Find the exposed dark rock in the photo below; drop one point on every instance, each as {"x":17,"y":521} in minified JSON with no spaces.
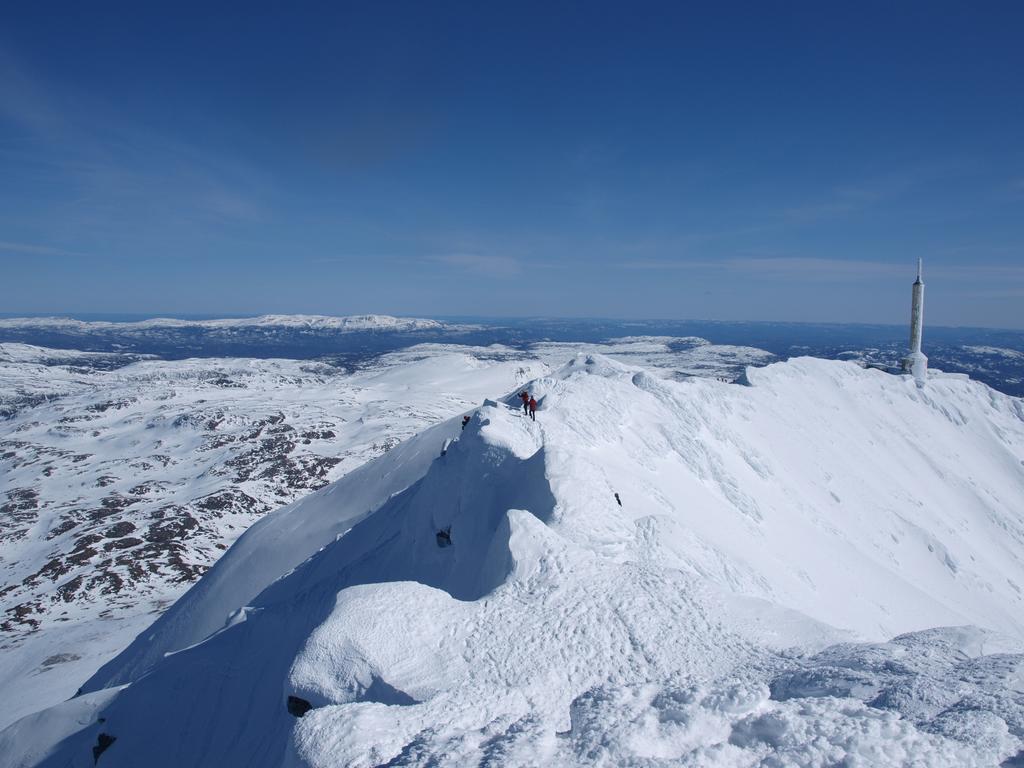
{"x":231,"y":501}
{"x":103,"y":742}
{"x":110,"y":404}
{"x":110,"y":506}
{"x":69,"y":589}
{"x":18,"y":513}
{"x":172,"y":529}
{"x":76,"y":419}
{"x":21,"y":616}
{"x":386,"y":445}
{"x":135,"y":543}
{"x":68,"y":521}
{"x":118,"y":530}
{"x":191,"y":420}
{"x":218,"y":441}
{"x":83,"y":550}
{"x":125,"y":543}
{"x":11,"y":406}
{"x":319,"y":434}
{"x":106,"y":581}
{"x":298,"y":707}
{"x":59,"y":658}
{"x":225,"y":383}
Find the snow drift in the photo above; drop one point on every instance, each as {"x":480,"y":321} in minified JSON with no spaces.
{"x":735,"y":608}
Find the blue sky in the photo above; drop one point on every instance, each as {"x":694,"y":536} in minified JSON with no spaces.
{"x":750,"y":161}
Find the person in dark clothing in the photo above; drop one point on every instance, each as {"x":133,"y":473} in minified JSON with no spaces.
{"x":533,"y":408}
{"x":465,"y":421}
{"x":525,"y":397}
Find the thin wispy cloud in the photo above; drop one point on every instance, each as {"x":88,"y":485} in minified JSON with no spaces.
{"x":480,"y":264}
{"x":822,"y":269}
{"x":838,"y":202}
{"x":671,"y":265}
{"x":818,"y":211}
{"x":31,"y":249}
{"x":849,"y":198}
{"x":23,"y":100}
{"x":114,"y":171}
{"x":1009,"y":293}
{"x":224,"y":203}
{"x":789,"y":267}
{"x":816,"y":268}
{"x":361,"y":258}
{"x":998,"y":272}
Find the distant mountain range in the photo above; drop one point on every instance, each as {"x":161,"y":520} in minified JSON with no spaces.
{"x":993,"y":356}
{"x":351,"y":323}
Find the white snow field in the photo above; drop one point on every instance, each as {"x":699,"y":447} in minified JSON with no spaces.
{"x":123,"y":476}
{"x":118,"y":488}
{"x":823,"y":568}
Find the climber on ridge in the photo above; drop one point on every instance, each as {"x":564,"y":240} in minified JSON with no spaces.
{"x":533,"y":408}
{"x":465,"y":421}
{"x":525,"y":397}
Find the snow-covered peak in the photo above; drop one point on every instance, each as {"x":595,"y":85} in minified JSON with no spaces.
{"x":621,"y":580}
{"x":594,"y":364}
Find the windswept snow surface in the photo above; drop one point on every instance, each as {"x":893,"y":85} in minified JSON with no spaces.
{"x":771,"y":591}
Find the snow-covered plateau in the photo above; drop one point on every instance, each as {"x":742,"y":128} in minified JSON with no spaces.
{"x":822,"y":567}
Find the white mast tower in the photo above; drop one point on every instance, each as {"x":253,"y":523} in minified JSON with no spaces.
{"x":915,"y":363}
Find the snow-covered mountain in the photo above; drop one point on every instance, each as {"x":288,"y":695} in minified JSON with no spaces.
{"x":123,"y":477}
{"x":269,"y":336}
{"x":122,"y":480}
{"x":349,"y":323}
{"x":652,"y":573}
{"x":153,"y":467}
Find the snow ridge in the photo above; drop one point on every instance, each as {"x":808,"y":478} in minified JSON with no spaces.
{"x":646,"y":575}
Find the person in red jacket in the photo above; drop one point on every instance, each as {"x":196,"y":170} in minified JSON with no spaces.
{"x":533,"y":409}
{"x":525,"y":397}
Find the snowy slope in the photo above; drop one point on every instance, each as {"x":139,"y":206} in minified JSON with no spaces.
{"x":122,"y":480}
{"x":665,"y":356}
{"x":708,"y":620}
{"x":121,"y":483}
